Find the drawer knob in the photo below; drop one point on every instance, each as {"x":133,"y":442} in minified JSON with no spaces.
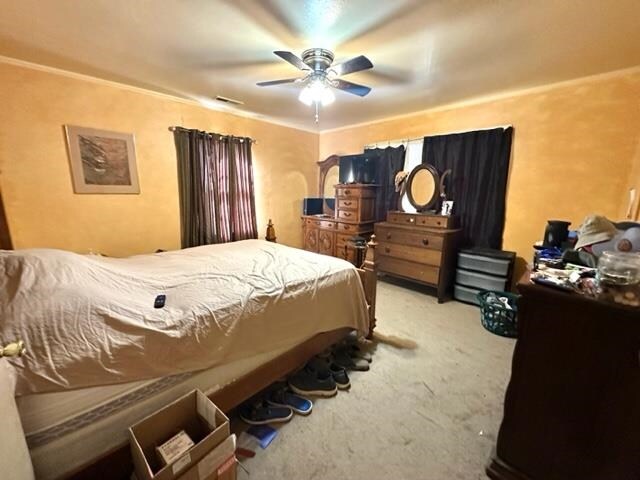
{"x":411,"y":220}
{"x":387,"y":249}
{"x":347,"y":192}
{"x":346,"y":214}
{"x":388,"y":236}
{"x":347,"y":203}
{"x":425,"y":241}
{"x":347,"y":227}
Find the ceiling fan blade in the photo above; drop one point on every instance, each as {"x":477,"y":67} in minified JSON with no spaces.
{"x":356,"y":64}
{"x":292,"y":59}
{"x":277,"y":82}
{"x":349,"y":87}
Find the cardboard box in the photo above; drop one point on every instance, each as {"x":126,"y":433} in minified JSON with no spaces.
{"x":205,"y":424}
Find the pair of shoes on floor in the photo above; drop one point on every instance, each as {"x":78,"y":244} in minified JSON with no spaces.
{"x":278,"y":406}
{"x":320,"y":377}
{"x":351,"y":356}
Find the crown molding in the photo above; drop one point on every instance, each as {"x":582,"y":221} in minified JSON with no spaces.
{"x":494,"y":97}
{"x":153,"y":93}
{"x":273,"y":121}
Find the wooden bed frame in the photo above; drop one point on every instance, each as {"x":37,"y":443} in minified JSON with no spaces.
{"x":117,"y":465}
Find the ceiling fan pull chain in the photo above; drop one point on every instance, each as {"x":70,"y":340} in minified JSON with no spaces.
{"x":317,"y":111}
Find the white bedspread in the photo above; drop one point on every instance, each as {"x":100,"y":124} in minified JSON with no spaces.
{"x":89,"y":320}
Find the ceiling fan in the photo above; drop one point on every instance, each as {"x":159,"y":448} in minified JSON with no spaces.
{"x":321,"y":75}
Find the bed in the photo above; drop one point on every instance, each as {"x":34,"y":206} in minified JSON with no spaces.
{"x":280,"y":306}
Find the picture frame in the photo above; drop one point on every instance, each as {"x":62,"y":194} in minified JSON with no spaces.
{"x":447,"y":208}
{"x":102,"y":161}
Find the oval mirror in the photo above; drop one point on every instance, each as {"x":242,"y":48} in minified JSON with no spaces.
{"x":328,"y":179}
{"x":423,"y":187}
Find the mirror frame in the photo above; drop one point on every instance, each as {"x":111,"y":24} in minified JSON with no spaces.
{"x":324,"y":166}
{"x":436,"y":187}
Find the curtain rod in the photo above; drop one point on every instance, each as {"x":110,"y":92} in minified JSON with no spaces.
{"x":173,"y":129}
{"x":409,"y":140}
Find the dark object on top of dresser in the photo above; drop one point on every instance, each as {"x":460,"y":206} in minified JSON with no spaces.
{"x":420,"y":247}
{"x":571,"y":407}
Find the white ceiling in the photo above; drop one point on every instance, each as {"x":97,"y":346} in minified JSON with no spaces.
{"x":425,"y":53}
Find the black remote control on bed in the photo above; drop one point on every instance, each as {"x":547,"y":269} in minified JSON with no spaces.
{"x":159,"y":303}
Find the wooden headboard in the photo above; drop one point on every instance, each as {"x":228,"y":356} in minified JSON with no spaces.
{"x":5,"y":237}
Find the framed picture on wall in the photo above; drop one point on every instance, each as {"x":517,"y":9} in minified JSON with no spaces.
{"x":102,"y":161}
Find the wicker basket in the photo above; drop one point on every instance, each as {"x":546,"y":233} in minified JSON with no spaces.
{"x":497,"y":318}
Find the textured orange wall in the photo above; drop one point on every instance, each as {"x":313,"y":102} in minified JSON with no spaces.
{"x":574,"y":148}
{"x":35,"y":180}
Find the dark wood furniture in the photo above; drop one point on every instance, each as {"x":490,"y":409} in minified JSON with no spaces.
{"x":571,"y":407}
{"x":421,"y":247}
{"x":354,"y":215}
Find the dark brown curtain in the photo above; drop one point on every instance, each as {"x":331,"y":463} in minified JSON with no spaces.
{"x":217,"y":198}
{"x":479,"y":163}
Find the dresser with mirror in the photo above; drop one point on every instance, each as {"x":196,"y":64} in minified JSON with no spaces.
{"x":420,"y":246}
{"x":348,"y":210}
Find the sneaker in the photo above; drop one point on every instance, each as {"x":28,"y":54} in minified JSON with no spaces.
{"x":283,"y":397}
{"x":314,"y":379}
{"x":358,"y":352}
{"x":340,"y":377}
{"x":342,"y":357}
{"x":260,"y":414}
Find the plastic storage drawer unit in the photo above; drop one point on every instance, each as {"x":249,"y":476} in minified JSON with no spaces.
{"x":478,"y":280}
{"x":493,"y":266}
{"x":466,"y":294}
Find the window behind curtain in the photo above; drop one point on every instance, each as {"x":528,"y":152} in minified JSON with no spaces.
{"x":216,"y":186}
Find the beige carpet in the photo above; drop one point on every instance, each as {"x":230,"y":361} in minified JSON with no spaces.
{"x":428,"y":412}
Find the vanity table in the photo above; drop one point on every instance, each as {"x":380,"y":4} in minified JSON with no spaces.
{"x":421,"y":246}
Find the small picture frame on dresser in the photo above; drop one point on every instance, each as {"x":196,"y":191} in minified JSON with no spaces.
{"x":447,"y":208}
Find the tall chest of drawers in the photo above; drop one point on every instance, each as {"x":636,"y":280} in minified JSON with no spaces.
{"x":354,"y":215}
{"x":419,"y":247}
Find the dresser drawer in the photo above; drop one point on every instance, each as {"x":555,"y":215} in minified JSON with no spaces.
{"x":348,"y":204}
{"x":403,"y":268}
{"x":413,"y":254}
{"x":411,"y":239}
{"x":345,"y":227}
{"x":355,"y":191}
{"x":421,"y":220}
{"x":341,"y":240}
{"x":349,"y":215}
{"x":436,"y":221}
{"x":326,"y":224}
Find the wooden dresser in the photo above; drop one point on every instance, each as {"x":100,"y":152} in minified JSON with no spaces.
{"x":354,"y":215}
{"x":420,"y":247}
{"x":571,"y":407}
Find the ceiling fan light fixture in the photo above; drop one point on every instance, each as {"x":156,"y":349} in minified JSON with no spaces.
{"x":317,"y":92}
